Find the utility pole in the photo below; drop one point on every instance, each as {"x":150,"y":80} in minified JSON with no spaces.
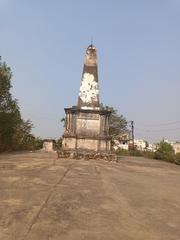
{"x":132,"y":133}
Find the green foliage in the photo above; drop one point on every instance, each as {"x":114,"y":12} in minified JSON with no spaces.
{"x":38,"y":143}
{"x":63,"y":121}
{"x":9,"y":110}
{"x":164,"y":152}
{"x":15,"y":133}
{"x":58,"y":144}
{"x":122,"y":152}
{"x":22,"y":136}
{"x":117,"y":123}
{"x":136,"y":152}
{"x":5,"y":85}
{"x":148,"y":154}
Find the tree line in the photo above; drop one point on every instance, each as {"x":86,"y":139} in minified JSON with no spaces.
{"x":15,"y":132}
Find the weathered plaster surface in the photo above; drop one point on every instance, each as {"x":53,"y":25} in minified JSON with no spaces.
{"x":88,"y":127}
{"x":90,"y":108}
{"x":89,"y":88}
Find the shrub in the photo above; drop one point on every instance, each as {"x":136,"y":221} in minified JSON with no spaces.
{"x":164,"y":152}
{"x":122,"y":152}
{"x":136,"y":153}
{"x":148,"y":154}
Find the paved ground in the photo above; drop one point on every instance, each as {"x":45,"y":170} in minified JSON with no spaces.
{"x":74,"y":199}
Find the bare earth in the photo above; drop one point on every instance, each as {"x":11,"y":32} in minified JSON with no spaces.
{"x":135,"y":198}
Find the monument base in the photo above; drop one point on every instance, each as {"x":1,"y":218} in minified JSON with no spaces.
{"x":87,"y":155}
{"x":86,"y":143}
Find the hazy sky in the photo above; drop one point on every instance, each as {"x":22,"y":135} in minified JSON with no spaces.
{"x":138,"y":45}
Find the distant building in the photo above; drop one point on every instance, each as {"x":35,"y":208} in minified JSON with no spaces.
{"x":48,"y":145}
{"x":151,"y":147}
{"x":140,"y":144}
{"x":169,"y":142}
{"x":121,"y":145}
{"x":176,"y":147}
{"x":122,"y":141}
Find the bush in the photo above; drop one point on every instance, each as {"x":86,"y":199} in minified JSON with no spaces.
{"x":148,"y":154}
{"x":38,"y":143}
{"x":164,"y":152}
{"x":122,"y":152}
{"x":136,"y":153}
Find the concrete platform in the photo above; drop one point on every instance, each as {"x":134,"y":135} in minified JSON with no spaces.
{"x":70,"y":199}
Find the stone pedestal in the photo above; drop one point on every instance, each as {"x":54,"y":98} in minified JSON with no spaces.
{"x":87,"y":129}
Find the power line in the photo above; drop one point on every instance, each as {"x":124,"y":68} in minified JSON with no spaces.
{"x":157,"y":130}
{"x":162,"y":124}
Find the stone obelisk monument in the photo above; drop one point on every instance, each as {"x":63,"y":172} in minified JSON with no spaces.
{"x":87,"y":124}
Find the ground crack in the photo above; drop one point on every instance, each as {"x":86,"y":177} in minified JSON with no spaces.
{"x":45,"y":202}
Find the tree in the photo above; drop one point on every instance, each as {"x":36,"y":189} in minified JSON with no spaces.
{"x":117,"y":123}
{"x":164,"y":152}
{"x":63,"y":121}
{"x":22,"y":138}
{"x":9,"y":110}
{"x":15,"y":133}
{"x":38,"y":143}
{"x":59,"y":143}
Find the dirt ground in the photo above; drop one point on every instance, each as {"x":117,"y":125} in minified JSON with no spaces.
{"x":134,"y":199}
